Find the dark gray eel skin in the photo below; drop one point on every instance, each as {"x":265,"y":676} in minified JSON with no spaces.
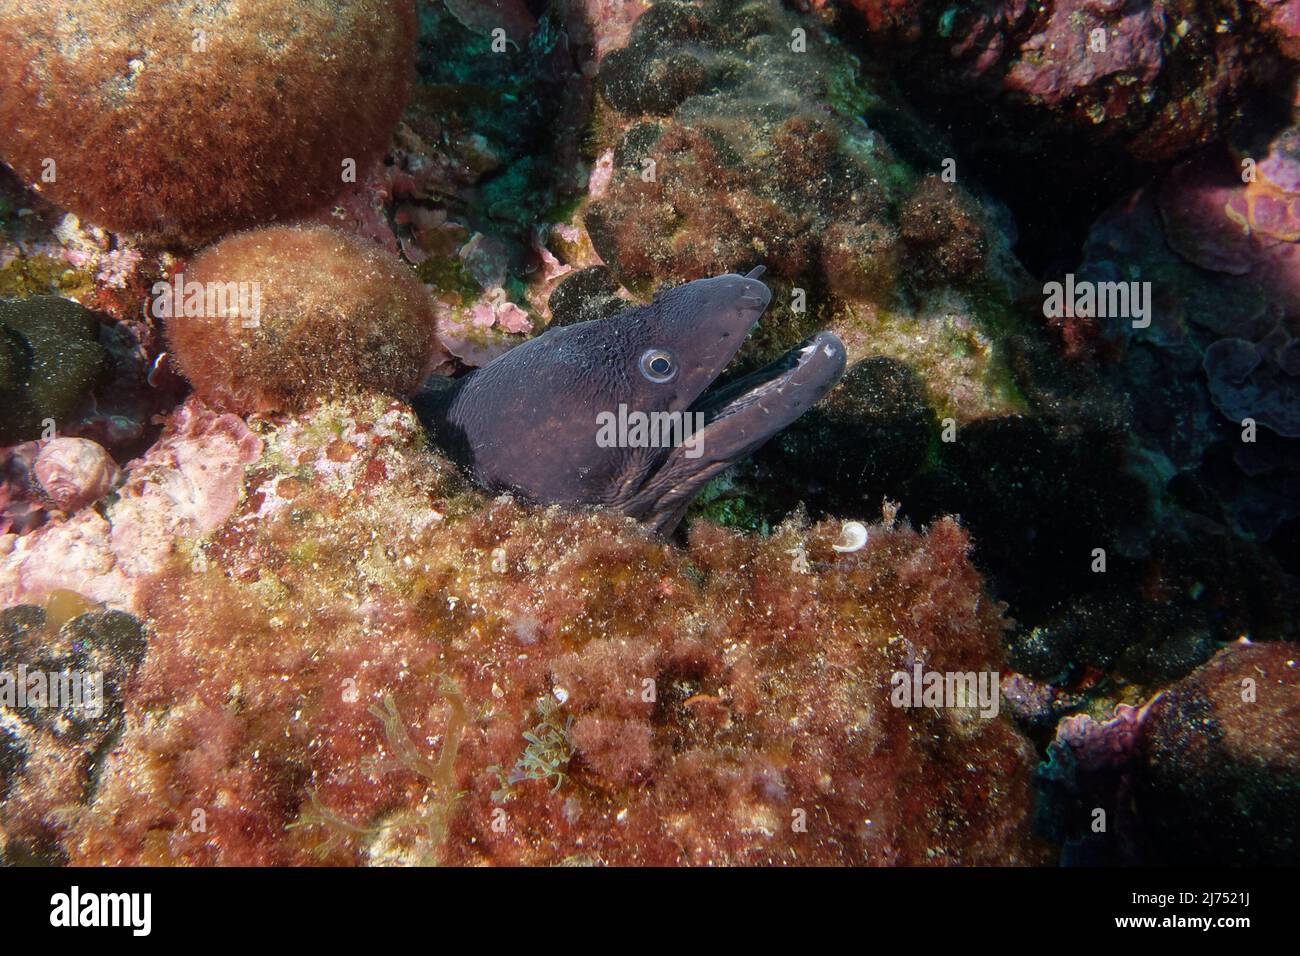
{"x":527,"y":423}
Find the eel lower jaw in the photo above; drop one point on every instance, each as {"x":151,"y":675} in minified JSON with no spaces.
{"x":762,"y":403}
{"x":738,"y":418}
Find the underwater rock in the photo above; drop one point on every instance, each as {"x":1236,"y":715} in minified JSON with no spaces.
{"x":859,"y":445}
{"x":188,"y":120}
{"x":349,"y":671}
{"x":587,"y":294}
{"x":1258,"y":382}
{"x":1062,"y":62}
{"x":695,"y":192}
{"x":861,"y":259}
{"x":941,"y":229}
{"x":327,"y":312}
{"x":504,"y":125}
{"x":13,"y":757}
{"x":1205,"y":772}
{"x":1108,"y":90}
{"x":1217,"y":350}
{"x":1038,"y":498}
{"x":1220,"y":778}
{"x":49,"y":360}
{"x":740,"y":134}
{"x":65,"y":671}
{"x":1085,"y":787}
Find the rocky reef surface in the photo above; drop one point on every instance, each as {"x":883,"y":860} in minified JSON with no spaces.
{"x":369,"y":662}
{"x":319,"y":642}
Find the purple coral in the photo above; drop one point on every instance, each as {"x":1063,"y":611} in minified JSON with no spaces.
{"x":1258,"y":381}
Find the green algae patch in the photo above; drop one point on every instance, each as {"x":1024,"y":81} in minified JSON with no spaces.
{"x":26,"y":276}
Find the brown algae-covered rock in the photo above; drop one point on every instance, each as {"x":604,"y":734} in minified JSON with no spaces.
{"x":1220,"y":780}
{"x":187,"y":120}
{"x":321,"y":313}
{"x":369,"y":663}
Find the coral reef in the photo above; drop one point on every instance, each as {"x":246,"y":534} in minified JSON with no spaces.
{"x":223,"y":117}
{"x":319,"y":643}
{"x":878,"y":244}
{"x":318,"y":312}
{"x":1219,"y":352}
{"x":707,"y":194}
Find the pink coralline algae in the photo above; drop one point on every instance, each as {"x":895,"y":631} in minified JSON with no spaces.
{"x":1206,"y":771}
{"x":1096,"y":84}
{"x":185,"y":486}
{"x":74,"y":472}
{"x":22,"y":506}
{"x":1069,"y":55}
{"x":1240,"y":215}
{"x":1277,"y":187}
{"x":610,"y":22}
{"x":1104,"y":744}
{"x":495,"y":309}
{"x":602,"y":174}
{"x":1282,"y":20}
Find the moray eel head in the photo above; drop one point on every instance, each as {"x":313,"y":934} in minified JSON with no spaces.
{"x":620,"y":412}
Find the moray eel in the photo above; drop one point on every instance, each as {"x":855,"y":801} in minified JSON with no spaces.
{"x":577,"y":416}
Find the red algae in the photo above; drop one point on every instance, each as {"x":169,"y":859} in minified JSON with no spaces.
{"x":405,"y":672}
{"x":183,"y":121}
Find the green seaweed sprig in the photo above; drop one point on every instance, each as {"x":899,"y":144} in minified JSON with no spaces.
{"x":547,"y":755}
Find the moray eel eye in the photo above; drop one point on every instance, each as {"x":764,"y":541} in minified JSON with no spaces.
{"x":658,"y":365}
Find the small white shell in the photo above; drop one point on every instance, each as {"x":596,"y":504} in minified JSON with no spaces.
{"x":853,"y":537}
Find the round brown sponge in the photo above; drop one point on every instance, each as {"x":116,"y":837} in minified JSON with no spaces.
{"x":331,"y":313}
{"x":186,"y":120}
